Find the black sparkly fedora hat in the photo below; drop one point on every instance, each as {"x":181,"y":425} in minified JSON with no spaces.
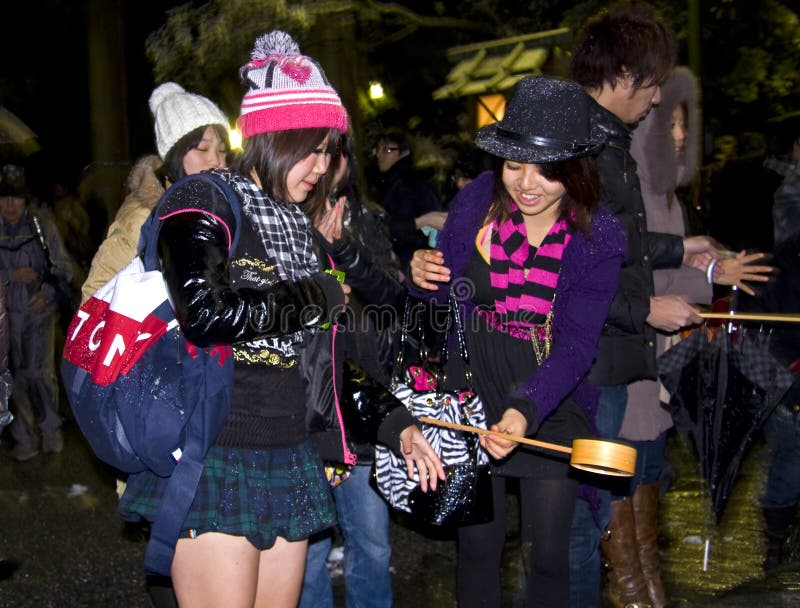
{"x":547,"y":120}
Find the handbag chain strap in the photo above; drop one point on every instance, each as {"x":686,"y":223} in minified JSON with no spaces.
{"x":454,"y":321}
{"x":455,"y":312}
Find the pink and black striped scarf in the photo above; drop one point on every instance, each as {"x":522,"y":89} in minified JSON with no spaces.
{"x":511,"y":256}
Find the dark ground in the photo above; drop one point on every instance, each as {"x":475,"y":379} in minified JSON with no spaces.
{"x":58,"y":518}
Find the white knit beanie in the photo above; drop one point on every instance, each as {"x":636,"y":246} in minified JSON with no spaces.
{"x":178,"y":113}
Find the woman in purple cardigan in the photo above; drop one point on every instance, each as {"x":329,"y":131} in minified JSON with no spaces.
{"x":535,"y":261}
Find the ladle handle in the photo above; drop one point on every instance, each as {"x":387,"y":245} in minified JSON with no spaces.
{"x":474,"y":429}
{"x":751,"y":316}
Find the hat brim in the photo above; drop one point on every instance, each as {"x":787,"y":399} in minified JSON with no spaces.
{"x":490,"y":140}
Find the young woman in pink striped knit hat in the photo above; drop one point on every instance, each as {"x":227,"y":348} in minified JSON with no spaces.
{"x":263,"y":490}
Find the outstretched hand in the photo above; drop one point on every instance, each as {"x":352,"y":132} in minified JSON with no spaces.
{"x":420,"y":457}
{"x":737,"y":270}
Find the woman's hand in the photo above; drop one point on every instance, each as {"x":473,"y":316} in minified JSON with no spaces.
{"x":737,"y":270}
{"x":434,"y":219}
{"x":330,"y":223}
{"x":512,"y":423}
{"x":427,"y":269}
{"x":420,"y":456}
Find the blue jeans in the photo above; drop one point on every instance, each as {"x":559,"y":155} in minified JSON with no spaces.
{"x":782,"y":432}
{"x":649,"y":460}
{"x":584,"y":549}
{"x":364,"y":524}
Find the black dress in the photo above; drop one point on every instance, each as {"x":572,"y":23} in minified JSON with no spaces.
{"x":499,"y":364}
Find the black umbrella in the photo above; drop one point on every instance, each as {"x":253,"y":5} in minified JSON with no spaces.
{"x":16,"y":138}
{"x":723,"y":386}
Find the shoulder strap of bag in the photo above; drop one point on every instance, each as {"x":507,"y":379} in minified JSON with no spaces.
{"x":148,"y":244}
{"x":455,"y":317}
{"x":175,"y":503}
{"x":182,"y":484}
{"x":397,"y":369}
{"x":455,"y":327}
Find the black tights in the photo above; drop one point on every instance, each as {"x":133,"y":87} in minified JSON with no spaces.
{"x":546,"y":507}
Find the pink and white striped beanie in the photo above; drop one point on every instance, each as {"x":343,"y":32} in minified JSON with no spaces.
{"x":287,"y":90}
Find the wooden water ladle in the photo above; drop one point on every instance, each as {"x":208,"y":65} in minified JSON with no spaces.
{"x":594,"y":455}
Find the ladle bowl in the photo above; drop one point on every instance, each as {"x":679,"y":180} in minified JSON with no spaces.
{"x":603,"y":457}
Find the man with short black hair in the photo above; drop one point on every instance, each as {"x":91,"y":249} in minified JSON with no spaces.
{"x":621,"y":59}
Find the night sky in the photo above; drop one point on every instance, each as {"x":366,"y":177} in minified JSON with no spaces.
{"x":44,"y":78}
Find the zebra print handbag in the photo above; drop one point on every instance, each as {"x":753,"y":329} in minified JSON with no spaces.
{"x":465,"y":496}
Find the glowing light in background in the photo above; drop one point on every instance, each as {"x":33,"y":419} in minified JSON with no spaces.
{"x":375,"y":90}
{"x":235,"y":138}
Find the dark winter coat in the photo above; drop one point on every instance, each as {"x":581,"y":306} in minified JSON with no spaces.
{"x":660,"y":172}
{"x":405,"y":196}
{"x":627,"y":349}
{"x":364,"y":255}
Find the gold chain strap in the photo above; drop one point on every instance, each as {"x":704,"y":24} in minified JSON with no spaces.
{"x":542,"y":337}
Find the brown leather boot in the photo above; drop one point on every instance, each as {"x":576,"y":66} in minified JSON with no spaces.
{"x":626,"y":586}
{"x":645,"y":514}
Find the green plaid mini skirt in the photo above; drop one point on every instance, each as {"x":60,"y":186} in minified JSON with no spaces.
{"x":258,"y":494}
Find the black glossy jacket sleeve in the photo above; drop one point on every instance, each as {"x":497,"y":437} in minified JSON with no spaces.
{"x":665,"y":250}
{"x":194,"y":257}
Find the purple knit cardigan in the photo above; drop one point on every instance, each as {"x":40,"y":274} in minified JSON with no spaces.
{"x":587,"y":283}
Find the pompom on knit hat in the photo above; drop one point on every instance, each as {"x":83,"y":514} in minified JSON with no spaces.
{"x":178,"y":113}
{"x":287,"y":90}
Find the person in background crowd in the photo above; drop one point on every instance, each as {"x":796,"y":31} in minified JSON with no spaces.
{"x":622,"y":58}
{"x":348,"y":230}
{"x":782,"y":295}
{"x":786,"y":164}
{"x":33,"y":262}
{"x":263,"y":490}
{"x":469,"y":165}
{"x":73,"y":224}
{"x":8,"y":565}
{"x":410,"y":201}
{"x":540,"y":259}
{"x":665,"y":146}
{"x":191,"y":136}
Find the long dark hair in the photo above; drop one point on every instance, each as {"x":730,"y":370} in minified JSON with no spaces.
{"x":580,"y":180}
{"x":173,"y":162}
{"x":272,"y":155}
{"x":346,"y":186}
